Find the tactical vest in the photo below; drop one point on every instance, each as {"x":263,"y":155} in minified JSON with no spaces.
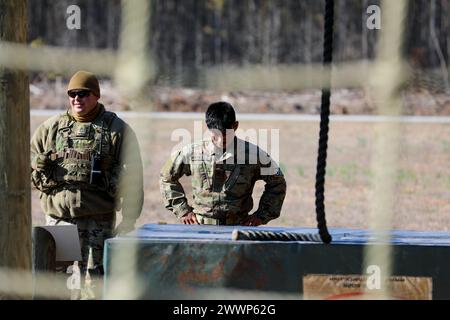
{"x":76,"y":145}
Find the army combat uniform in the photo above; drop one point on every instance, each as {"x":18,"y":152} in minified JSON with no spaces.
{"x":223,"y":183}
{"x":70,"y":192}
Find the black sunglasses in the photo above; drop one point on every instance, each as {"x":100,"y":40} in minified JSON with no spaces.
{"x":79,"y":93}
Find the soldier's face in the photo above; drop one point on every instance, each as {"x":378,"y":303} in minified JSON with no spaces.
{"x":82,"y":104}
{"x":218,"y":138}
{"x":223,"y":140}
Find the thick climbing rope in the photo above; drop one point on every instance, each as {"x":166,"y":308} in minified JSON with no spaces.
{"x":274,"y":236}
{"x":324,"y":235}
{"x":324,"y":122}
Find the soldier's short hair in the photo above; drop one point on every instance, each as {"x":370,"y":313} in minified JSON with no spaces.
{"x":220,"y":116}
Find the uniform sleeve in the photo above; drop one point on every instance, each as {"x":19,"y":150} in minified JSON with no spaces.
{"x":274,"y":191}
{"x":171,"y":189}
{"x":40,"y":179}
{"x":130,"y":176}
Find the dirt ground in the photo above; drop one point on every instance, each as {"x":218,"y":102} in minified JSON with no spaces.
{"x":423,"y":179}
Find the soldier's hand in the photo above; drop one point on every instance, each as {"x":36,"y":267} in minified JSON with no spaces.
{"x":124,"y":227}
{"x":252,"y":220}
{"x":42,"y":162}
{"x":189,"y":218}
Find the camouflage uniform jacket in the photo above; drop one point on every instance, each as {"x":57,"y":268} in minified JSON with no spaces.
{"x":223,"y":182}
{"x":65,"y":188}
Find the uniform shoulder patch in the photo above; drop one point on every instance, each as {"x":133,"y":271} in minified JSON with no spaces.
{"x":278,"y":172}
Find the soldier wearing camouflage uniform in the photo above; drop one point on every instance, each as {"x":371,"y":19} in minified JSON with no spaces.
{"x":224,"y":170}
{"x":80,"y":160}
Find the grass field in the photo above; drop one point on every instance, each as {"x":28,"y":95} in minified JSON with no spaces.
{"x":423,"y":178}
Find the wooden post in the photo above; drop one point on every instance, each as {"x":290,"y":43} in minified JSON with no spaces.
{"x":15,"y":199}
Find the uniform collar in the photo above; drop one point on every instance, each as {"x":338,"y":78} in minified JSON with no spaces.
{"x":99,"y":111}
{"x":217,"y":153}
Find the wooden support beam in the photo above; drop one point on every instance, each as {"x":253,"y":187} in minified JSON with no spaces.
{"x":15,"y":199}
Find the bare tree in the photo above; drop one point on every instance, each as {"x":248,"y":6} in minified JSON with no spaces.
{"x":190,"y":34}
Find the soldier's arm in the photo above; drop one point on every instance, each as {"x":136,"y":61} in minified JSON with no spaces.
{"x":171,"y":189}
{"x":129,"y":173}
{"x":274,"y":192}
{"x":37,"y":144}
{"x":40,"y":164}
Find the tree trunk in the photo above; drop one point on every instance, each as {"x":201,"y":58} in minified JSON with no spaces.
{"x":437,"y":46}
{"x":198,"y":59}
{"x":15,"y":214}
{"x":447,"y":26}
{"x":364,"y":43}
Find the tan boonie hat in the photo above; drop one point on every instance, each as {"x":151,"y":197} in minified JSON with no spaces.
{"x":84,"y":80}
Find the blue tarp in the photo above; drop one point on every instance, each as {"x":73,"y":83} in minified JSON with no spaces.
{"x":340,"y":235}
{"x":176,"y":258}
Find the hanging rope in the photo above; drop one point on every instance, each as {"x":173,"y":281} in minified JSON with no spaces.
{"x":323,"y":235}
{"x":324,"y":122}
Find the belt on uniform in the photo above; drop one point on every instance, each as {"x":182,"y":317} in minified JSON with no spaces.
{"x":71,"y":154}
{"x":212,"y":221}
{"x":97,"y":217}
